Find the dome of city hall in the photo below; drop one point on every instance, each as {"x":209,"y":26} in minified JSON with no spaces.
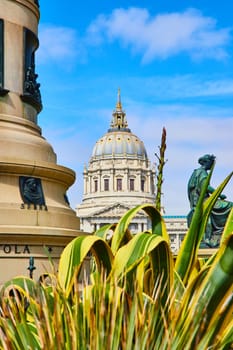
{"x":119,"y":141}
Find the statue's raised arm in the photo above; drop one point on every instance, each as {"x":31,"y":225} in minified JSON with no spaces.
{"x":221,"y":208}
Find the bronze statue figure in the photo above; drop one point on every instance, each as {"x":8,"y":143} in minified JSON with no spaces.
{"x":221,"y":208}
{"x":31,"y":86}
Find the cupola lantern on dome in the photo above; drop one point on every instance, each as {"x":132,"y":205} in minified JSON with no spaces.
{"x":119,"y":121}
{"x":119,"y":141}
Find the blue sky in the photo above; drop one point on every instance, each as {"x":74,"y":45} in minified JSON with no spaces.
{"x":173,"y":61}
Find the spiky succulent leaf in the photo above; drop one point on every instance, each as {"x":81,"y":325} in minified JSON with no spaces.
{"x":188,"y":251}
{"x":74,"y":254}
{"x":157,"y":223}
{"x":228,"y":229}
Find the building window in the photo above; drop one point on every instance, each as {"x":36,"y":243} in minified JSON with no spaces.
{"x":131,"y":184}
{"x":142,"y":185}
{"x":106,"y":184}
{"x":2,"y":90}
{"x":133,"y":227}
{"x":1,"y":53}
{"x":95,"y":185}
{"x":119,"y":184}
{"x":172,"y":239}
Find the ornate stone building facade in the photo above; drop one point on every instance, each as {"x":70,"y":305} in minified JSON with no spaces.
{"x":177,"y":228}
{"x":119,"y":176}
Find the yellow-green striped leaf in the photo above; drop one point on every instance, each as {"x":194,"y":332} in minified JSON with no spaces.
{"x":74,"y":254}
{"x":24,"y":285}
{"x":228,"y":229}
{"x":188,"y":251}
{"x":209,"y":203}
{"x":140,"y":247}
{"x":157,"y":223}
{"x":104,"y":230}
{"x":214,"y":288}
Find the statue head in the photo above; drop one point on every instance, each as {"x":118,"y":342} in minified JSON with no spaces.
{"x":31,"y":185}
{"x":207,"y":160}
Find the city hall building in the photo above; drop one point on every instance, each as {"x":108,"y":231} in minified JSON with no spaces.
{"x":119,"y":176}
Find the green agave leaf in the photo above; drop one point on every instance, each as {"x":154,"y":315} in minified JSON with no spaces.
{"x":187,"y":255}
{"x":228,"y":229}
{"x":186,"y":299}
{"x":208,"y":205}
{"x":26,"y":335}
{"x":162,"y":266}
{"x":25,"y":286}
{"x":74,"y":254}
{"x":147,"y":281}
{"x":143,"y":244}
{"x":104,"y":230}
{"x":157,"y":222}
{"x":221,"y":319}
{"x":188,"y":251}
{"x":131,"y":254}
{"x":214,"y":288}
{"x":18,"y":332}
{"x":33,"y":332}
{"x":105,"y":300}
{"x":179,"y":287}
{"x":227,"y":336}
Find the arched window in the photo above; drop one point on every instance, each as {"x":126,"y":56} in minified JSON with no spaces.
{"x":95,"y":185}
{"x":142,"y":185}
{"x":131,"y":184}
{"x":119,"y":184}
{"x":106,"y":184}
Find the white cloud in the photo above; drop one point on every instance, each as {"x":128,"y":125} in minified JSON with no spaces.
{"x":186,"y":86}
{"x":162,"y":35}
{"x":58,"y":44}
{"x":152,"y":37}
